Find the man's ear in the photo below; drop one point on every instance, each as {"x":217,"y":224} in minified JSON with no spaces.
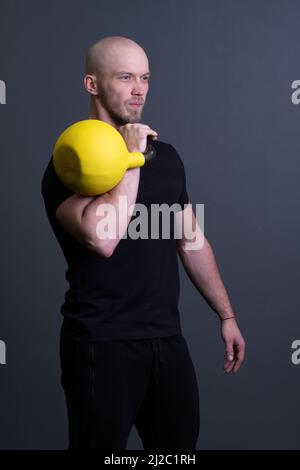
{"x":90,"y":84}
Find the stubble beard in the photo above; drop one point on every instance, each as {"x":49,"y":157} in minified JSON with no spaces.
{"x":117,"y":117}
{"x":122,"y":119}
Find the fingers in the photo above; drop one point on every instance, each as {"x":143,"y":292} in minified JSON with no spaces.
{"x":237,"y":353}
{"x":229,"y":351}
{"x":135,"y":136}
{"x":137,"y":124}
{"x":138,"y":127}
{"x":229,"y":362}
{"x":236,"y":366}
{"x":235,"y":347}
{"x":240,"y":357}
{"x":153,"y":133}
{"x":149,"y":131}
{"x":228,"y":366}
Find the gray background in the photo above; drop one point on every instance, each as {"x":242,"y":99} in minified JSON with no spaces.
{"x":220,"y":93}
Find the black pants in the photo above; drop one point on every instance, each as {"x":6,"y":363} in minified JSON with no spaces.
{"x":112,"y":385}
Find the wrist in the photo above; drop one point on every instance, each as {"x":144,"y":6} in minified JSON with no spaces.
{"x":232,"y":317}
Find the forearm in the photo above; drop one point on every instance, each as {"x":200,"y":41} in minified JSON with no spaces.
{"x":201,"y":267}
{"x":117,"y":215}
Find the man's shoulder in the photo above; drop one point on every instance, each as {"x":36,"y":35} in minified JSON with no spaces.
{"x":47,"y":173}
{"x":53,"y":190}
{"x":166,"y":148}
{"x":162,"y":146}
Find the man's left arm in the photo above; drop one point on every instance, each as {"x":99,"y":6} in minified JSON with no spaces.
{"x":200,"y":264}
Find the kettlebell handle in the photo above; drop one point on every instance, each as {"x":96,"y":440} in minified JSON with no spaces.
{"x":149,"y":153}
{"x":141,"y":158}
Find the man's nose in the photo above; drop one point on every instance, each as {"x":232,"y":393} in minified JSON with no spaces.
{"x":138,"y":89}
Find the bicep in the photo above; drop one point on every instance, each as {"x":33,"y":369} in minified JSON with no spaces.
{"x":70,"y":215}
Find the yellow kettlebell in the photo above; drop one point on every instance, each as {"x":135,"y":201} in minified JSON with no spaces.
{"x":90,"y":157}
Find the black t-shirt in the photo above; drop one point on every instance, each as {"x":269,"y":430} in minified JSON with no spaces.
{"x":133,"y":293}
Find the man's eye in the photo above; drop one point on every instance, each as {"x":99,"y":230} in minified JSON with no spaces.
{"x":125,"y":76}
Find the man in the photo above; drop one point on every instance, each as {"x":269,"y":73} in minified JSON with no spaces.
{"x":123,"y":357}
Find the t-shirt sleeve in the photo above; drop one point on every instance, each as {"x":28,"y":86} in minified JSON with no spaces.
{"x":54,"y":191}
{"x":183,"y":198}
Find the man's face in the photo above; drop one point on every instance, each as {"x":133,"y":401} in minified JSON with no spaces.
{"x":124,"y":87}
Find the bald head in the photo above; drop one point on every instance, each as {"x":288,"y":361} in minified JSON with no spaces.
{"x":106,"y":53}
{"x":117,"y":79}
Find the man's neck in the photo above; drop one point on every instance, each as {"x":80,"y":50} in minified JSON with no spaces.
{"x":97,"y":112}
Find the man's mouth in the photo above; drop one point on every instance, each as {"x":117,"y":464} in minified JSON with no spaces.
{"x":135,"y":104}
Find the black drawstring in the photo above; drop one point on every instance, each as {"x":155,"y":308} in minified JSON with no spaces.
{"x":158,"y":356}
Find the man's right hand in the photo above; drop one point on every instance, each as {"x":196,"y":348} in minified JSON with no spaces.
{"x":135,"y":136}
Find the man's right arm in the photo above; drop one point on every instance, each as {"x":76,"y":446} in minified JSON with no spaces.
{"x":78,"y":214}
